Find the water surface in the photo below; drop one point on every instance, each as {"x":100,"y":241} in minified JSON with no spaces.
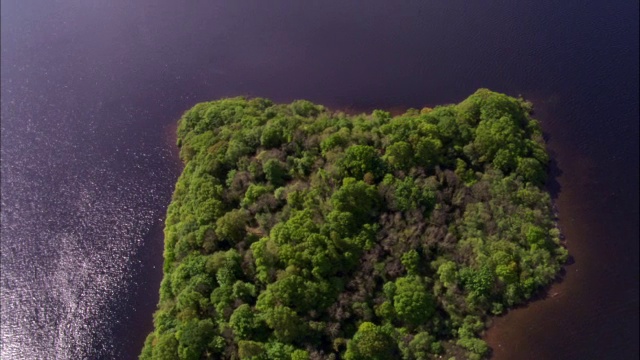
{"x":90,"y":89}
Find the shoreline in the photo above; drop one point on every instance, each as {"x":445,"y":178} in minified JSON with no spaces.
{"x":510,"y":332}
{"x":543,"y":293}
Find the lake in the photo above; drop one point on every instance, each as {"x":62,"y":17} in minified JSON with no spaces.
{"x":91,"y":91}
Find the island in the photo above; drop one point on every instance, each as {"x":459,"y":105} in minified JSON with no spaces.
{"x":296,"y":232}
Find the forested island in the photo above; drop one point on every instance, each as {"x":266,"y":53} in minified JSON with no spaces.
{"x":296,"y":232}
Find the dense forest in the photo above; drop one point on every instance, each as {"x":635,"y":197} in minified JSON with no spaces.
{"x":296,"y":232}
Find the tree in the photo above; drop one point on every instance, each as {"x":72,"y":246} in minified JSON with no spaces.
{"x":479,"y":282}
{"x":272,"y":136}
{"x":166,"y":347}
{"x":357,"y":198}
{"x":497,"y":134}
{"x":306,"y":108}
{"x":242,"y":322}
{"x":254,"y":192}
{"x":147,"y":349}
{"x":448,"y":273}
{"x":477,"y":347}
{"x":411,"y":261}
{"x":359,"y":160}
{"x":505,"y":160}
{"x":371,"y":342}
{"x":399,"y":156}
{"x":413,"y":304}
{"x":333,"y":141}
{"x":285,"y":323}
{"x":231,"y":226}
{"x":407,"y":195}
{"x":386,"y":311}
{"x":531,"y":170}
{"x":300,"y":355}
{"x":280,"y":351}
{"x":250,"y":350}
{"x":428,"y":152}
{"x":420,"y":347}
{"x":536,"y":236}
{"x":275,"y":172}
{"x":193,"y":337}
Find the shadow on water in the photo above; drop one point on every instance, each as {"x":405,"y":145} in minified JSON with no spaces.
{"x":552,"y":184}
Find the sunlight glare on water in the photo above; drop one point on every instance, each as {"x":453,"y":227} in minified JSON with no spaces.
{"x":66,"y":265}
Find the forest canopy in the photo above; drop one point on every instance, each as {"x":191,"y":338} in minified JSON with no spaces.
{"x":296,"y":232}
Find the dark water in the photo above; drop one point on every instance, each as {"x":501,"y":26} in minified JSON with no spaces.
{"x":89,"y":90}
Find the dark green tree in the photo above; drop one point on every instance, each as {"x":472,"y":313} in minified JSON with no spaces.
{"x":412,"y":302}
{"x":359,"y":160}
{"x":371,"y":342}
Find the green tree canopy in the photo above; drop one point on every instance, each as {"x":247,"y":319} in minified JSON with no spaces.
{"x":295,"y":232}
{"x":371,"y":342}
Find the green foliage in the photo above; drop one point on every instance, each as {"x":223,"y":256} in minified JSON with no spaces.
{"x":371,"y":342}
{"x":231,"y":226}
{"x":448,"y":273}
{"x":428,"y":152}
{"x":280,"y":351}
{"x":147,"y":349}
{"x":272,"y":136}
{"x":421,"y":347}
{"x":531,"y":170}
{"x":359,"y":160}
{"x":300,"y":355}
{"x":386,"y":311}
{"x":275,"y":172}
{"x":357,"y":198}
{"x":299,"y":233}
{"x":285,"y":323}
{"x":399,"y":156}
{"x":242,"y":322}
{"x":306,"y":108}
{"x":413,"y":304}
{"x":408,"y":195}
{"x":254,"y":192}
{"x":474,"y":346}
{"x":499,"y":139}
{"x":193,"y":337}
{"x":166,"y":347}
{"x":250,"y":350}
{"x":333,"y":141}
{"x":479,"y":282}
{"x":411,"y":262}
